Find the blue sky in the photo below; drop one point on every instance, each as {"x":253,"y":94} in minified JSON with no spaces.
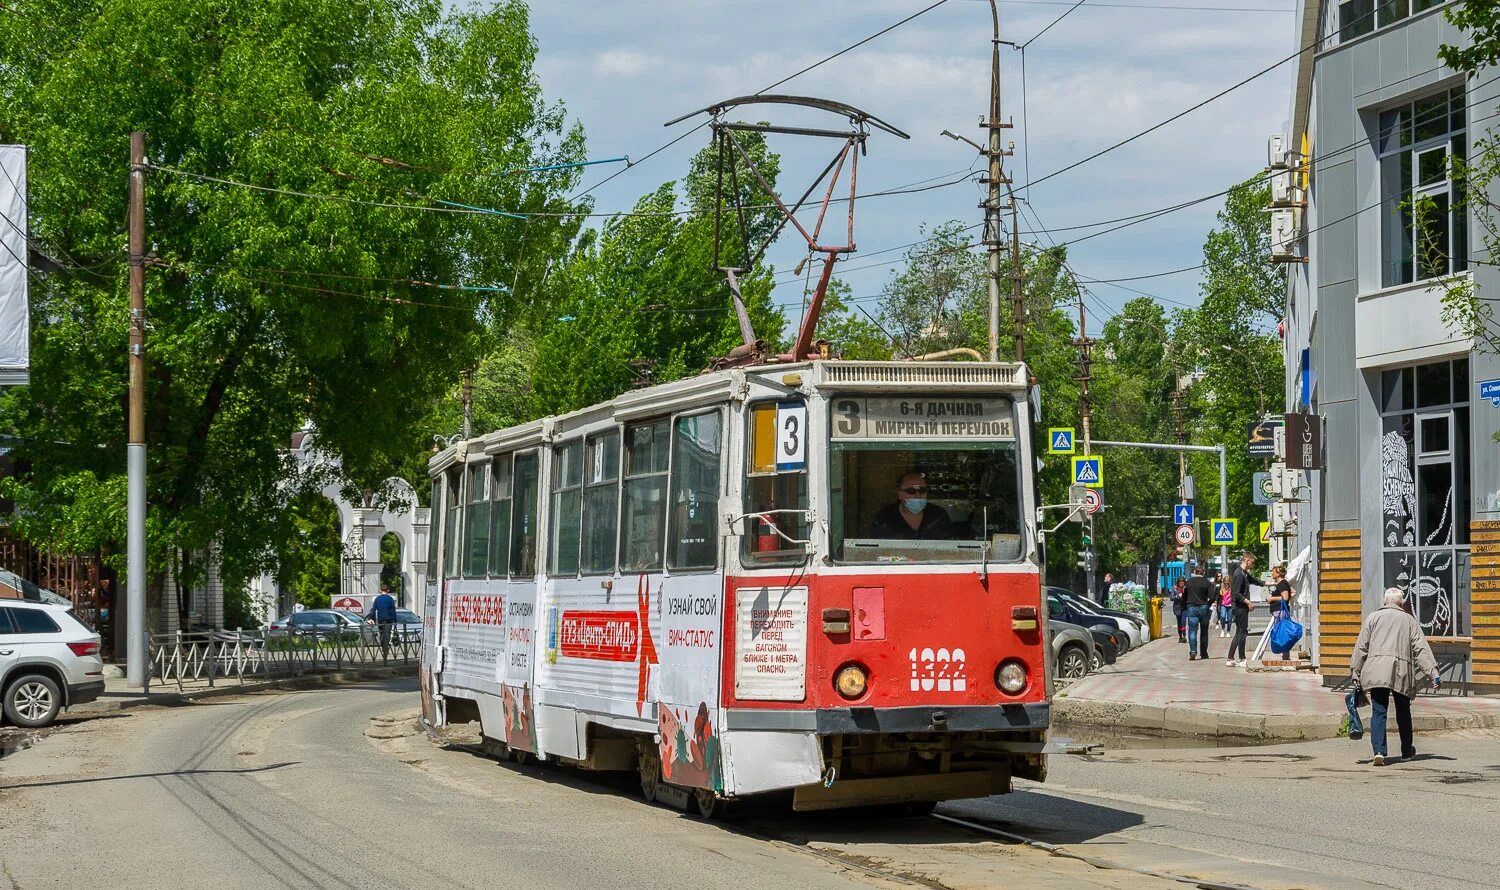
{"x":1106,"y":71}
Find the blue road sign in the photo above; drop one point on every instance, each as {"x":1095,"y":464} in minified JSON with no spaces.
{"x":1060,"y":440}
{"x":1490,"y":389}
{"x":1183,"y":514}
{"x":1226,"y":532}
{"x":1088,"y":471}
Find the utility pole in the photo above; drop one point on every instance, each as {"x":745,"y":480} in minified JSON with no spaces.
{"x":468,"y":400}
{"x":1086,"y":420}
{"x":135,"y":449}
{"x":1182,"y":438}
{"x":1018,"y":304}
{"x":995,"y":179}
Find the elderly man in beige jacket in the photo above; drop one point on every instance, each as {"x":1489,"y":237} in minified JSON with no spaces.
{"x":1390,"y":650}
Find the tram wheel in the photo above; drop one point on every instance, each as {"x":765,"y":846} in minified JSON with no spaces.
{"x":648,"y":764}
{"x":710,"y":805}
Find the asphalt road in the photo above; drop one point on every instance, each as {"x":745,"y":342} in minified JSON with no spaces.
{"x":338,"y":788}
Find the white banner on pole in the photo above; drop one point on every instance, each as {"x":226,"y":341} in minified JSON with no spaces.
{"x":15,"y":333}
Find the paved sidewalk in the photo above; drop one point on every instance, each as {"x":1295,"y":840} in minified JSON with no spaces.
{"x":118,"y":695}
{"x":1157,"y":688}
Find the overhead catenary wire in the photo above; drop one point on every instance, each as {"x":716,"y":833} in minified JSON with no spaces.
{"x":1052,"y":23}
{"x":853,"y":46}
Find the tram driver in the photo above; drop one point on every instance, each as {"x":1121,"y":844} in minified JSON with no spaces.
{"x":911,"y":517}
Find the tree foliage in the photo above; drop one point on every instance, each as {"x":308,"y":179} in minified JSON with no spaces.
{"x":268,"y":309}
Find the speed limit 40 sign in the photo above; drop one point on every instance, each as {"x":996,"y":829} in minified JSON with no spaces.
{"x":1184,"y":535}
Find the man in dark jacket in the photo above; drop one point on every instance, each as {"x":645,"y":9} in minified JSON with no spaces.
{"x":383,"y":613}
{"x":1240,"y":580}
{"x":1197,"y":599}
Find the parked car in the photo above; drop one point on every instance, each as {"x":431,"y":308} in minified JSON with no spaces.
{"x":327,"y":623}
{"x":1072,"y":650}
{"x":1131,"y":626}
{"x":49,"y":660}
{"x":1106,"y":646}
{"x":1059,"y":609}
{"x":410,"y":626}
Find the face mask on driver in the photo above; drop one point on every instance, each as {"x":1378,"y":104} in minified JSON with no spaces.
{"x":916,"y":505}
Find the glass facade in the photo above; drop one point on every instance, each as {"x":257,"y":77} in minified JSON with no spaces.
{"x":1425,"y":466}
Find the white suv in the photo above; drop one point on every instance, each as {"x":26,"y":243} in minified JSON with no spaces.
{"x":49,"y":660}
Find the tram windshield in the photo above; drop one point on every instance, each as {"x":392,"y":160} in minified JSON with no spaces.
{"x":953,"y":497}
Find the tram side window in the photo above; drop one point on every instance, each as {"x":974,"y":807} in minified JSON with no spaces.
{"x":436,"y":505}
{"x":523,"y":523}
{"x":477,"y":521}
{"x":567,"y":504}
{"x":774,"y":484}
{"x":601,"y":502}
{"x":692,"y":524}
{"x":500,"y":501}
{"x":451,"y":504}
{"x":643,"y":523}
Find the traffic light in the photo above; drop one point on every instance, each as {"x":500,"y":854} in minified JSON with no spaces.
{"x":1088,"y":541}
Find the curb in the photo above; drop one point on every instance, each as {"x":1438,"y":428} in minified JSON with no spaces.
{"x":1176,"y":720}
{"x":170,"y":699}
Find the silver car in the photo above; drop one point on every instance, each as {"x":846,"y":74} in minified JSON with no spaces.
{"x":49,"y":660}
{"x":1072,"y":650}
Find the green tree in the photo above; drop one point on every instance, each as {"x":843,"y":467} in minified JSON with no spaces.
{"x":851,"y":334}
{"x":1227,"y":349}
{"x":639,"y":300}
{"x":268,"y":309}
{"x":311,"y":557}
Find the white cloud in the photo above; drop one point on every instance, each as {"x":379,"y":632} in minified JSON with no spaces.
{"x":621,"y":63}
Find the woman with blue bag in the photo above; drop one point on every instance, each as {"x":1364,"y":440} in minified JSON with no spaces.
{"x":1285,"y":633}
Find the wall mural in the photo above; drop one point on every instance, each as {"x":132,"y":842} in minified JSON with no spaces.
{"x":1399,"y":489}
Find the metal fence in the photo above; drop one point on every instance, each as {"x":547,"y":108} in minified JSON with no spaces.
{"x":212,"y":657}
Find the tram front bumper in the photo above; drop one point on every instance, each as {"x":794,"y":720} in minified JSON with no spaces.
{"x":926,"y":718}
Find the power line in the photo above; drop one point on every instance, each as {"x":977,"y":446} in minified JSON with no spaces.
{"x":1184,"y":113}
{"x":1053,"y":22}
{"x":852,"y":46}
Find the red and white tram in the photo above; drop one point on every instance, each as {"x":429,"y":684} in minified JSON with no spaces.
{"x":710,"y":582}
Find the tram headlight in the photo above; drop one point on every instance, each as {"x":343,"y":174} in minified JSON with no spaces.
{"x":1011,"y":677}
{"x":851,"y":681}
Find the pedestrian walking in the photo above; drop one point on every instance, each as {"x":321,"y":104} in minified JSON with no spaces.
{"x":1239,"y":607}
{"x":1390,"y":650}
{"x":1281,"y":599}
{"x":1109,"y":581}
{"x":1221,"y":607}
{"x":1177,"y":609}
{"x":1198,"y":599}
{"x":383,"y":613}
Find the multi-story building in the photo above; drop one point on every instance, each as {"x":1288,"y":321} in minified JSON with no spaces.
{"x":1409,"y":495}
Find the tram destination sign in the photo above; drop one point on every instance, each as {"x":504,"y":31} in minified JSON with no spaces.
{"x":922,"y":417}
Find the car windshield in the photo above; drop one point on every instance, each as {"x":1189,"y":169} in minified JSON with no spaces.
{"x":925,"y":479}
{"x":407,"y":616}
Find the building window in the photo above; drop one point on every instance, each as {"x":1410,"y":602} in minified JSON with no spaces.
{"x":1424,"y":224}
{"x":1360,"y":17}
{"x":1424,"y":455}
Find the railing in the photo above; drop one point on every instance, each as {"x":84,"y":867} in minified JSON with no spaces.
{"x":241,"y":657}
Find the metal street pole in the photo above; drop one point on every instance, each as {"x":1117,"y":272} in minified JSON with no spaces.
{"x":1223,"y":476}
{"x":135,"y":449}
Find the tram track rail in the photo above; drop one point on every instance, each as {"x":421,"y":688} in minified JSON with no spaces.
{"x":763,"y":831}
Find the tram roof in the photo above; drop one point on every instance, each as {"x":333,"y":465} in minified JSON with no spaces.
{"x":714,"y":386}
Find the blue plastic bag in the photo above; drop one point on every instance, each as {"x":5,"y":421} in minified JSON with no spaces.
{"x":1352,"y":702}
{"x":1285,"y":632}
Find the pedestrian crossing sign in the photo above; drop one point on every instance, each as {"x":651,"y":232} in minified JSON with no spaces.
{"x":1226,"y":532}
{"x":1060,"y":440}
{"x":1265,"y":532}
{"x":1088,"y":471}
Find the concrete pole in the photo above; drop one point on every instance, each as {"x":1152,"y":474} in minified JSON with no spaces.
{"x":996,"y":176}
{"x":135,"y":449}
{"x":1223,"y":508}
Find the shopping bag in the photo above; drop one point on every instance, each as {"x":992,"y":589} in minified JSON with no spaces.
{"x":1353,"y":702}
{"x":1285,"y":632}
